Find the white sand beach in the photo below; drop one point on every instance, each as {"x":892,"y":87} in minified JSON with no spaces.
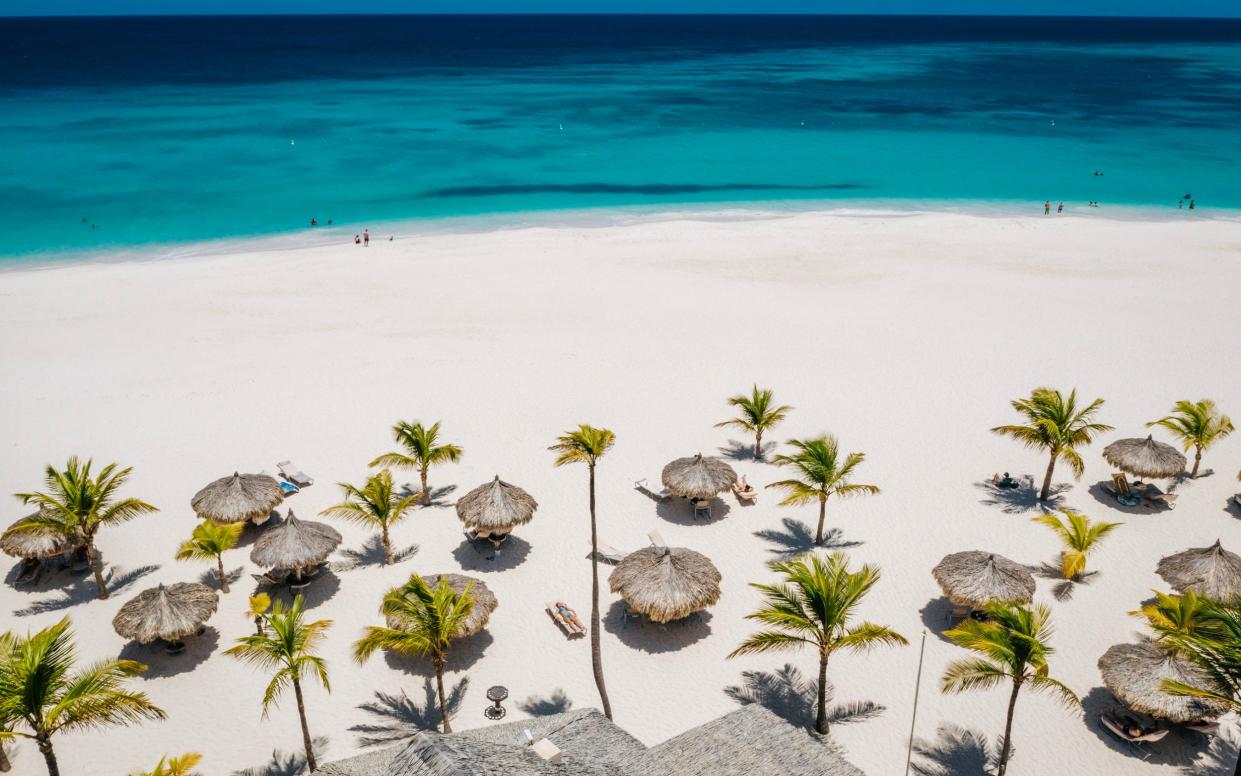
{"x":904,"y":334}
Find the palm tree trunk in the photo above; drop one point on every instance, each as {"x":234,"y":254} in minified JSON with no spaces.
{"x":1051,"y":467}
{"x":1008,"y":729}
{"x":258,"y":625}
{"x":820,"y":721}
{"x":301,"y":713}
{"x":596,"y":656}
{"x":818,"y":535}
{"x":96,"y":564}
{"x":387,"y":547}
{"x":1237,"y":770}
{"x":426,"y":494}
{"x":45,"y":746}
{"x":219,"y":559}
{"x":5,"y":765}
{"x":758,"y":445}
{"x":1193,"y":475}
{"x":439,"y":682}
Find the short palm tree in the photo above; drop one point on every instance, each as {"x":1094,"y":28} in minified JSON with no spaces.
{"x":1055,"y":424}
{"x":422,"y":451}
{"x":1012,"y":646}
{"x":1172,"y":617}
{"x":587,"y":444}
{"x":182,"y":765}
{"x":822,"y":473}
{"x":429,"y":619}
{"x":77,"y":505}
{"x":814,"y":605}
{"x":1198,"y":424}
{"x":41,"y":694}
{"x":377,"y":504}
{"x":210,"y":541}
{"x":1080,"y":536}
{"x":289,"y":650}
{"x":259,"y":604}
{"x":757,"y":413}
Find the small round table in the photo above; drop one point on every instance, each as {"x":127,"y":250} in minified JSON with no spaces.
{"x":496,"y":694}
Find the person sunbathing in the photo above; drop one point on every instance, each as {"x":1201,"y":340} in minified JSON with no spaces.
{"x":743,"y":486}
{"x":564,"y":611}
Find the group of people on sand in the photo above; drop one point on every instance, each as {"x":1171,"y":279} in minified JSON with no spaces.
{"x":1180,"y":203}
{"x":1047,"y":207}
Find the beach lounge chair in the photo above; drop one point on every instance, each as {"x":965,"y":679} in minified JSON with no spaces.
{"x":702,"y":508}
{"x":659,"y":494}
{"x":1122,"y":491}
{"x":273,"y":577}
{"x":573,"y":628}
{"x":1152,"y":495}
{"x":288,"y":488}
{"x":609,"y":554}
{"x":1207,"y":727}
{"x":294,"y":474}
{"x":1119,"y":728}
{"x":744,"y":491}
{"x":657,"y":539}
{"x":30,"y":571}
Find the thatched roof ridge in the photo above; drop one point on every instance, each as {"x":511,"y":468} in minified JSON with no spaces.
{"x":1134,"y":672}
{"x":975,"y":578}
{"x":1211,"y":572}
{"x":698,"y":476}
{"x":496,"y":506}
{"x":1145,"y":457}
{"x":41,"y":542}
{"x":666,"y":583}
{"x":169,"y":612}
{"x":485,"y":601}
{"x":237,"y":498}
{"x":295,"y":544}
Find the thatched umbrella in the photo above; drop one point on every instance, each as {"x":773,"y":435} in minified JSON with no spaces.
{"x":496,"y":506}
{"x":1133,"y":672}
{"x":976,"y":578}
{"x":169,"y":612}
{"x":238,"y":498}
{"x":698,"y":476}
{"x":43,"y":541}
{"x":666,"y":583}
{"x":295,"y":544}
{"x":484,"y":601}
{"x":1145,"y":458}
{"x":1211,"y":572}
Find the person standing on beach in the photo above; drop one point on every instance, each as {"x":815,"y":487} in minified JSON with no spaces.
{"x":1047,"y":207}
{"x":1060,"y":209}
{"x":366,"y":238}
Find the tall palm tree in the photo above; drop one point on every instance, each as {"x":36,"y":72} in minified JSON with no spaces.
{"x":1012,"y":644}
{"x":181,"y":765}
{"x":422,"y":451}
{"x":823,"y":473}
{"x":814,"y":605}
{"x":1080,"y":536}
{"x":587,"y":444}
{"x":758,"y":414}
{"x":43,"y":694}
{"x":210,"y":541}
{"x":78,"y":505}
{"x":1056,"y":425}
{"x":377,"y":504}
{"x":259,"y":604}
{"x":1198,"y":424}
{"x":290,"y":651}
{"x":429,"y":618}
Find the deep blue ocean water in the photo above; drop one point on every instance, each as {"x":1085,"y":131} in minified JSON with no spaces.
{"x":126,"y":132}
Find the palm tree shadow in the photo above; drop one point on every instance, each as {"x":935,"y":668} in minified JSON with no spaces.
{"x":114,"y":577}
{"x":161,"y":664}
{"x":371,"y":553}
{"x":1232,"y":507}
{"x":464,"y":654}
{"x":1023,"y":499}
{"x":438,"y":498}
{"x":797,"y":538}
{"x":737,"y":450}
{"x":791,"y":696}
{"x":480,"y":554}
{"x":954,"y":750}
{"x":1181,"y":748}
{"x":937,"y":617}
{"x":1064,"y":588}
{"x":556,"y":703}
{"x":681,"y":511}
{"x":211,"y":577}
{"x":286,"y":763}
{"x":641,"y":633}
{"x":399,"y":717}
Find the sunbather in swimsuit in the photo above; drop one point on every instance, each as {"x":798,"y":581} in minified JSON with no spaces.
{"x":568,"y":614}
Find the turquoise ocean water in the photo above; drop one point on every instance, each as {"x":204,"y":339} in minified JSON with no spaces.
{"x":127,"y":133}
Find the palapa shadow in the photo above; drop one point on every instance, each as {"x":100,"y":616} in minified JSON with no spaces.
{"x":681,"y":511}
{"x":797,"y":538}
{"x":1099,"y":491}
{"x":1023,"y":499}
{"x":736,"y":450}
{"x":556,"y":703}
{"x":161,"y":664}
{"x":322,"y":588}
{"x":955,"y":751}
{"x":788,"y":694}
{"x":211,"y":577}
{"x":937,"y":617}
{"x":641,"y":633}
{"x":398,"y":717}
{"x":251,"y":533}
{"x":84,"y":589}
{"x":479,"y":554}
{"x":283,"y":763}
{"x":1183,"y":748}
{"x":463,"y":654}
{"x":371,"y":553}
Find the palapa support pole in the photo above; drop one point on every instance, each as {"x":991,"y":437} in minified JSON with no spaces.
{"x":913,"y":720}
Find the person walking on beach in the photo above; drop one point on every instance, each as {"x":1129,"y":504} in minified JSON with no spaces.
{"x":1047,"y":207}
{"x":1192,"y":204}
{"x":366,"y":238}
{"x":1060,"y":209}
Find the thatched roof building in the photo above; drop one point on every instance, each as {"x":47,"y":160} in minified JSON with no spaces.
{"x":238,"y":498}
{"x":169,"y":612}
{"x":27,"y":538}
{"x":295,"y":544}
{"x":976,"y":578}
{"x":496,"y":507}
{"x":1134,"y":672}
{"x":698,"y":476}
{"x":666,"y":583}
{"x":1145,"y":458}
{"x":485,"y":601}
{"x":1211,"y":572}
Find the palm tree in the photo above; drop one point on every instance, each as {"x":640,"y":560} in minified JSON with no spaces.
{"x":41,"y":691}
{"x":757,"y":415}
{"x":1198,"y":425}
{"x":587,"y":445}
{"x":1057,"y":426}
{"x":429,"y":618}
{"x":814,"y":606}
{"x":259,"y":604}
{"x":78,"y":505}
{"x":1012,"y":642}
{"x":377,"y":504}
{"x":290,"y":651}
{"x":1172,"y":617}
{"x":210,"y":541}
{"x":823,"y":474}
{"x":1080,"y":536}
{"x":182,"y":765}
{"x":421,"y":451}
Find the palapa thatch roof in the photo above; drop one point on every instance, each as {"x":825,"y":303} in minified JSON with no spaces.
{"x":40,"y":541}
{"x":1145,"y":458}
{"x":666,"y":583}
{"x":698,"y":476}
{"x":169,"y":612}
{"x":496,"y":506}
{"x":295,"y":544}
{"x":485,"y":601}
{"x":1211,"y":572}
{"x":975,"y":578}
{"x":237,"y":498}
{"x":1133,"y":672}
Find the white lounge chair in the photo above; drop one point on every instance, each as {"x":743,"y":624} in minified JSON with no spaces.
{"x":661,"y":494}
{"x":293,"y":473}
{"x":657,"y":539}
{"x":609,"y":554}
{"x":1117,"y":728}
{"x":702,"y":508}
